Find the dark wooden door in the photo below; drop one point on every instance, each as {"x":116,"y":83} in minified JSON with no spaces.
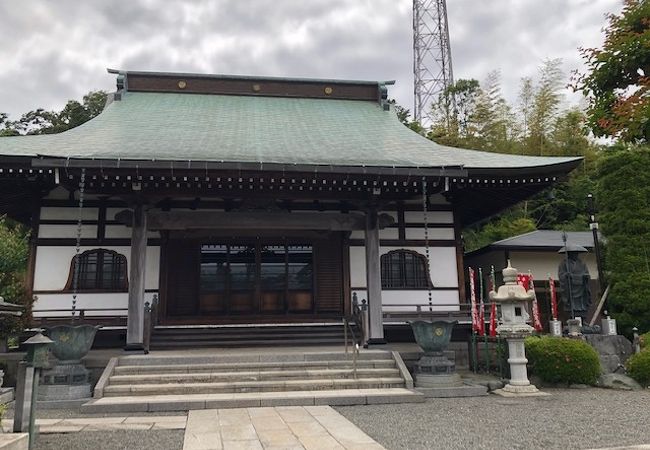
{"x":182,"y":258}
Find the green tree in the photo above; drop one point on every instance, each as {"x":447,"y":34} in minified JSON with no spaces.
{"x":509,"y":224}
{"x":545,"y":107}
{"x":623,"y":198}
{"x":617,"y":82}
{"x":14,"y":251}
{"x":41,"y":121}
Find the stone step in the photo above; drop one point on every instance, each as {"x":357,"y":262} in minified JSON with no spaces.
{"x":248,"y":366}
{"x":168,"y":344}
{"x":251,"y":375}
{"x":297,"y":357}
{"x":186,"y":402}
{"x":251,"y":386}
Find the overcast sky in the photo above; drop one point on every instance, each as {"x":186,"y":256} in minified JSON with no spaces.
{"x":52,"y":51}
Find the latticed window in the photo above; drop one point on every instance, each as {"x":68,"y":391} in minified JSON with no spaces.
{"x":99,"y":270}
{"x":404,"y":269}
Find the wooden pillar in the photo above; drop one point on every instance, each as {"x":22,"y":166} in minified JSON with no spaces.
{"x":135,"y":319}
{"x":373,"y":280}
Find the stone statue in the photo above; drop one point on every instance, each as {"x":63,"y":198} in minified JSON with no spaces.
{"x":574,"y":281}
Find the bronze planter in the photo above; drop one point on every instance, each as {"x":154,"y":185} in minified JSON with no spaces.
{"x":71,"y":342}
{"x":433,"y":337}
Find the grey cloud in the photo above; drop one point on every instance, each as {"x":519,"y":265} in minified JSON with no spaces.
{"x":54,"y":51}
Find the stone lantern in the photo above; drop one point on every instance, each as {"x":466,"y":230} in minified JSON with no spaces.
{"x":515,"y":302}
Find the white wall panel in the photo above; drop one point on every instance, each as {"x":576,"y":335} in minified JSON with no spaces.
{"x":66,"y":231}
{"x":434,"y":233}
{"x":406,"y":300}
{"x":443,"y":269}
{"x":69,"y":213}
{"x":432,"y":217}
{"x":118,"y":300}
{"x":357,"y":266}
{"x":389,"y":233}
{"x":442,"y":264}
{"x":53,"y":266}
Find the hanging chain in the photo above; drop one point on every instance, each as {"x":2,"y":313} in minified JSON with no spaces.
{"x":425,"y":209}
{"x":75,"y":277}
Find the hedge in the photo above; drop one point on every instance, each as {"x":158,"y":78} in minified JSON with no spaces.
{"x":638,"y":367}
{"x":563,"y":360}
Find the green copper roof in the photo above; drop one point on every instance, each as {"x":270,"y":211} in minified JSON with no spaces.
{"x":250,"y":129}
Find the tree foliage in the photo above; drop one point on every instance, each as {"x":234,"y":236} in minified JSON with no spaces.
{"x":617,"y":82}
{"x":40,"y":121}
{"x":14,"y":251}
{"x":624,"y":203}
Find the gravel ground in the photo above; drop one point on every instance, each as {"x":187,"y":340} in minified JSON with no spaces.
{"x":113,"y":440}
{"x":567,"y":419}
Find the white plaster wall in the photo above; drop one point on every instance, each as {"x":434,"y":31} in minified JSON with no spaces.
{"x":62,"y":213}
{"x":395,"y":300}
{"x":358,"y":234}
{"x":442,"y":265}
{"x":541,"y":264}
{"x":388,"y":233}
{"x":118,"y":300}
{"x":434,"y":233}
{"x":66,"y":231}
{"x":432,"y":217}
{"x":124,"y":232}
{"x":53,"y":266}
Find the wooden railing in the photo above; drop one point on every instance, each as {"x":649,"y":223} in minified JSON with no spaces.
{"x":85,"y":315}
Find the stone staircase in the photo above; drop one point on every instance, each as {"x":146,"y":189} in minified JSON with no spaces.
{"x":175,"y":337}
{"x":182,"y":382}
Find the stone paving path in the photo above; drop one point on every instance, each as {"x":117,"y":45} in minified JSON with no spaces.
{"x":75,"y":425}
{"x":282,"y":427}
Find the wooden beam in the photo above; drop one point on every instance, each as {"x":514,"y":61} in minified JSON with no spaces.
{"x":237,"y":220}
{"x":373,"y":279}
{"x":135,"y":319}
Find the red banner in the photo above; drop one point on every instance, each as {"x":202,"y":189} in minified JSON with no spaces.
{"x":537,"y":321}
{"x":493,"y":319}
{"x":551,"y":285}
{"x":523,"y":279}
{"x":472,"y":298}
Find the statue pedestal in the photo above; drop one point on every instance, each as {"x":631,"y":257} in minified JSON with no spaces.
{"x":65,"y":381}
{"x":435,"y":376}
{"x":518,"y":386}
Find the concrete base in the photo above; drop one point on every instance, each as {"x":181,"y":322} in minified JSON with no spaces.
{"x":464,"y":390}
{"x":63,"y":392}
{"x":14,"y":441}
{"x":6,"y":395}
{"x":519,"y":391}
{"x":424,"y":380}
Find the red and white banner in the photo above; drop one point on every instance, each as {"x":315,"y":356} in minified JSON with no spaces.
{"x":523,"y":279}
{"x":481,"y":317}
{"x":526,"y":280}
{"x":472,"y":299}
{"x":551,"y":285}
{"x":493,"y":319}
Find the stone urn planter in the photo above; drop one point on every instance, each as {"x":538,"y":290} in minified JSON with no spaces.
{"x":433,"y":337}
{"x":434,"y":369}
{"x":71,"y":342}
{"x":69,"y":378}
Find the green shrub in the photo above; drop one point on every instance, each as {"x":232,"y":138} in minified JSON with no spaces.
{"x":638,"y":367}
{"x":562,"y":360}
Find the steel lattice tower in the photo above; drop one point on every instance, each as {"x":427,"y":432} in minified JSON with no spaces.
{"x":432,"y":70}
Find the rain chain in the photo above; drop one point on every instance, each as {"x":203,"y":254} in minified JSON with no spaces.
{"x":425,"y":209}
{"x":75,"y":278}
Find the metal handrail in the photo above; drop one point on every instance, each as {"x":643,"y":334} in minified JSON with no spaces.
{"x":347,"y":328}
